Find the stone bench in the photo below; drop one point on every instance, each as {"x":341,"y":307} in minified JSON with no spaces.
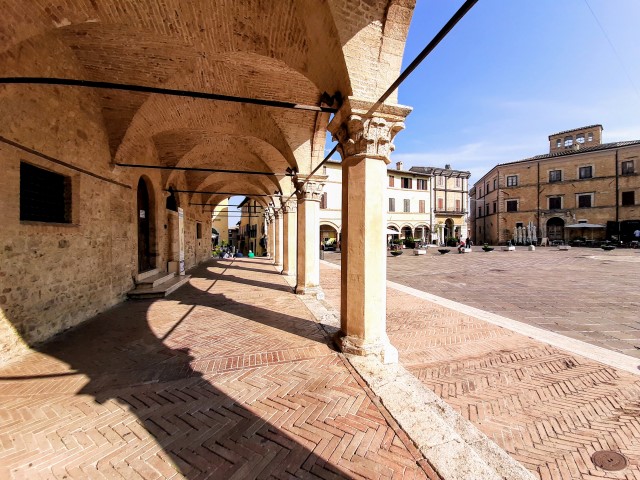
{"x":419,"y":251}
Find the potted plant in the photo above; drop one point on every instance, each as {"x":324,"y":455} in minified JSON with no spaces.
{"x":487,"y":248}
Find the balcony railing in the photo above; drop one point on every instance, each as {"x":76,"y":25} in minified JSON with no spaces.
{"x":450,"y":212}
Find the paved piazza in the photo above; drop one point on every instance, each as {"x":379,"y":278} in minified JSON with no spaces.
{"x":228,"y":378}
{"x":549,"y":408}
{"x":583,"y":293}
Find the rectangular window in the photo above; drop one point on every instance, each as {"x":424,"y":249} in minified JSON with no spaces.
{"x":391,"y":180}
{"x":585,"y":172}
{"x":479,"y":192}
{"x":585,"y":200}
{"x":323,"y":201}
{"x":495,"y":183}
{"x":486,"y":209}
{"x":392,"y":204}
{"x":406,"y":182}
{"x":512,"y":205}
{"x":479,"y":211}
{"x":458,"y":182}
{"x":421,"y":184}
{"x":440,"y":181}
{"x":555,"y":203}
{"x":198,"y":230}
{"x":458,"y":203}
{"x":629,"y":198}
{"x":45,"y":196}
{"x":407,"y":205}
{"x":440,"y":204}
{"x":555,"y":176}
{"x":421,"y":206}
{"x":627,"y":167}
{"x":488,"y":189}
{"x":495,"y":207}
{"x":512,"y":181}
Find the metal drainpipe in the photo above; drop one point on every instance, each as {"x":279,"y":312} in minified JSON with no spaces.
{"x":498,"y":206}
{"x":484,"y":218}
{"x":617,"y":197}
{"x":431,"y":209}
{"x":538,"y":192}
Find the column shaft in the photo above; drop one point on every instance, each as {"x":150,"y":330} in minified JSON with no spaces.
{"x":308,"y":255}
{"x":278,"y":240}
{"x":364,"y":304}
{"x":290,"y":239}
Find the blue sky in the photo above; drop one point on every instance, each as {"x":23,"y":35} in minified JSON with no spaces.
{"x":511,"y":73}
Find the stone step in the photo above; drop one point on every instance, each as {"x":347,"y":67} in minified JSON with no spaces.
{"x":161,"y":290}
{"x":155,"y":280}
{"x":149,"y":273}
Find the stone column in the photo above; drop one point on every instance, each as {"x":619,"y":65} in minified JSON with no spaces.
{"x":272,"y":235}
{"x":278,"y":238}
{"x":365,"y":146}
{"x":308,"y":257}
{"x":290,"y":237}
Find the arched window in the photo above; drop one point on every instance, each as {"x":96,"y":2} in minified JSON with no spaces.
{"x":568,"y":141}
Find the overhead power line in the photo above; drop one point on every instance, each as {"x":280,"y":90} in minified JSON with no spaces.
{"x":615,"y":51}
{"x":462,"y":11}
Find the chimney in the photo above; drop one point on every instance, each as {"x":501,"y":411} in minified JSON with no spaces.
{"x":447,"y":166}
{"x":398,"y":165}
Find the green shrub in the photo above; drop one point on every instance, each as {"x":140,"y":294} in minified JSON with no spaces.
{"x":409,"y":242}
{"x":451,"y":241}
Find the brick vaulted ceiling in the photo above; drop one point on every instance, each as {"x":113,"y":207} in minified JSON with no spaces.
{"x":288,"y":50}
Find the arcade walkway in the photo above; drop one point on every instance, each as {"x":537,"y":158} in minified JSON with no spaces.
{"x":229,"y":377}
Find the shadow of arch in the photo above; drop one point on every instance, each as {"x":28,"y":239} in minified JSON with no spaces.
{"x":188,"y":419}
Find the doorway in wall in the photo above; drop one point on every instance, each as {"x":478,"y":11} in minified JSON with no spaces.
{"x":146,"y":260}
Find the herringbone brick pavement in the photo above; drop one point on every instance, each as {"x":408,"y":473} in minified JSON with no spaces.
{"x":550,"y":409}
{"x":228,"y":378}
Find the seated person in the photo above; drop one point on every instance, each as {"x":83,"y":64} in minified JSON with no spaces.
{"x":461,"y":246}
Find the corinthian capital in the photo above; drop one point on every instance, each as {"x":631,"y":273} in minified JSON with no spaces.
{"x":367,"y":136}
{"x":310,"y":188}
{"x":361,"y":133}
{"x":290,"y":206}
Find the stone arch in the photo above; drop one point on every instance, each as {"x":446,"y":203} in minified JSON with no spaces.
{"x":555,"y":228}
{"x":422,"y":231}
{"x":329,"y":235}
{"x":449,"y":228}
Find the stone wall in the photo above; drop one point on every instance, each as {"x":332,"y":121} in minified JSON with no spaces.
{"x":54,"y":276}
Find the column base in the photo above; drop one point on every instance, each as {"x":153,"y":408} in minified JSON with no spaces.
{"x":383,"y":351}
{"x":313,"y":291}
{"x":276,"y":264}
{"x":288,"y":272}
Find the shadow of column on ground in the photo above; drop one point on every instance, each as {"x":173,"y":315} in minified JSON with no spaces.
{"x":183,"y":421}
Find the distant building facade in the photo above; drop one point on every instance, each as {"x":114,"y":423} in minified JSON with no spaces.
{"x":220,"y":223}
{"x":580,"y":181}
{"x":251,"y":230}
{"x":428,"y":204}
